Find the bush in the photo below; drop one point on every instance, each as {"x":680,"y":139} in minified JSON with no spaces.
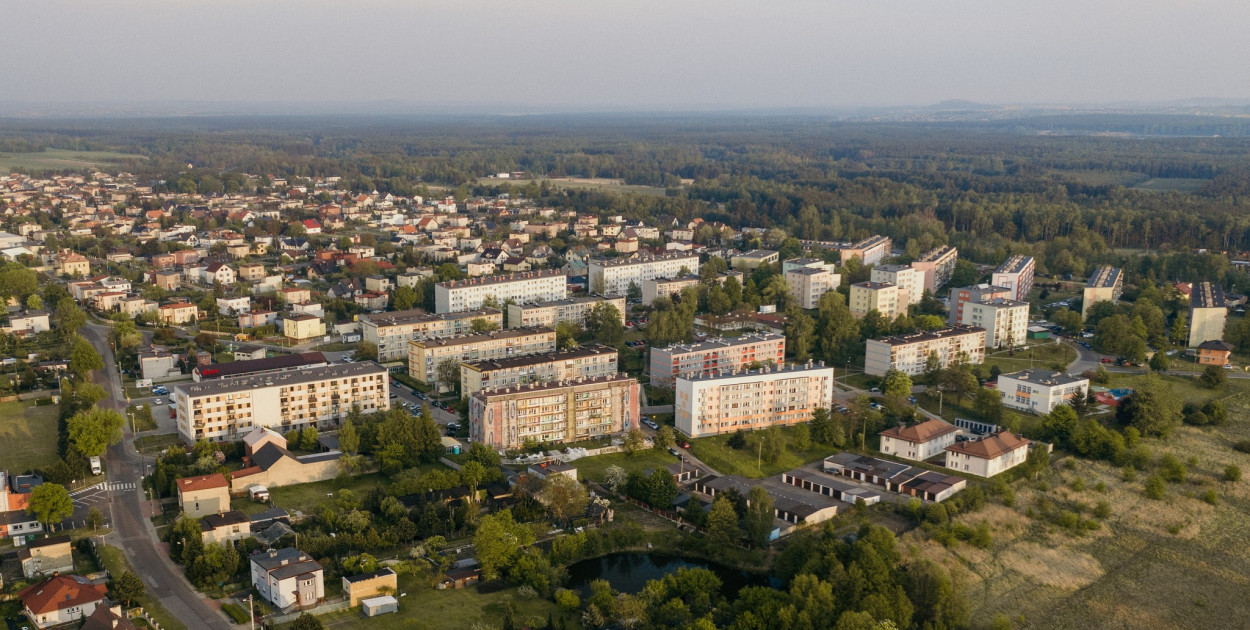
{"x":737,"y":441}
{"x":1210,"y":496}
{"x":236,"y":612}
{"x":1232,"y":472}
{"x":1102,"y":510}
{"x":1242,"y":447}
{"x":1172,"y":469}
{"x":1156,"y":487}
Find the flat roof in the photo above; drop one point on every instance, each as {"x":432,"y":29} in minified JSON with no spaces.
{"x":1015,"y":264}
{"x":930,"y":335}
{"x":787,"y":369}
{"x":1002,"y":302}
{"x":593,"y":350}
{"x":722,"y":342}
{"x":417,"y":315}
{"x":1104,"y":278}
{"x":1041,"y":376}
{"x":870,"y":242}
{"x":279,"y":379}
{"x":938,"y":253}
{"x":874,"y":285}
{"x":639,"y":260}
{"x":506,"y":333}
{"x":240,"y":368}
{"x":1207,"y":295}
{"x":809,"y":271}
{"x":501,"y":279}
{"x":542,"y":387}
{"x":756,"y":253}
{"x":569,"y":301}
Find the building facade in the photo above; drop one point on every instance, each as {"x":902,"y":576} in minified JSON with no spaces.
{"x":1006,"y":322}
{"x":425,"y":355}
{"x":553,"y":312}
{"x":1040,"y":391}
{"x":725,"y":402}
{"x":1105,"y":285}
{"x":871,"y":250}
{"x":754,"y":259}
{"x":961,"y":297}
{"x":909,"y":281}
{"x":288,"y":578}
{"x":472,"y":294}
{"x":1016,"y":273}
{"x":302,"y":327}
{"x":613,"y":277}
{"x":909,"y":353}
{"x":920,"y":441}
{"x":727,"y":354}
{"x":593,"y":361}
{"x":391,"y":332}
{"x":551,"y":413}
{"x":808,"y":285}
{"x":936,"y":267}
{"x":229,"y":408}
{"x":883,"y":297}
{"x":988,"y":455}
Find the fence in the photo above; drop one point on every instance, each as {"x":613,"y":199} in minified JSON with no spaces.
{"x":327,"y":607}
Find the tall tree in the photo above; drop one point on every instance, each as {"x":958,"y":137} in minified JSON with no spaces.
{"x":50,"y":503}
{"x":760,"y":516}
{"x":83,"y":358}
{"x":722,"y":524}
{"x":92,"y":431}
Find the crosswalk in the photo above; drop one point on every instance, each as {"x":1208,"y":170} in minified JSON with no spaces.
{"x":107,"y":486}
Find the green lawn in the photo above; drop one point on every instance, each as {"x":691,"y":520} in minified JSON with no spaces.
{"x":62,"y":159}
{"x":143,"y":420}
{"x":337,"y":346}
{"x":717,"y":454}
{"x":305,"y":496}
{"x":594,"y":468}
{"x":1046,"y":354}
{"x":115,"y":563}
{"x":149,"y":443}
{"x":31,"y":432}
{"x":451,"y":609}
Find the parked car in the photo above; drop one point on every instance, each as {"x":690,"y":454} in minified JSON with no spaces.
{"x":1107,"y":360}
{"x":674,"y":452}
{"x":684,"y":444}
{"x":158,"y":401}
{"x":875,"y":390}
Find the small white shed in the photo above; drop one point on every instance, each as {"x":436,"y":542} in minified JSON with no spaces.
{"x":375,"y":606}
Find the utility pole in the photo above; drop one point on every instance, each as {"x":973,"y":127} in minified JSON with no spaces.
{"x":251,"y":613}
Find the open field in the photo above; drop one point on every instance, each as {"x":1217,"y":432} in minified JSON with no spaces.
{"x":1172,"y":184}
{"x":34,"y":428}
{"x":717,"y":454}
{"x":594,"y":468}
{"x":1044,"y":355}
{"x":1176,"y":563}
{"x":452,"y":609}
{"x":61,"y":159}
{"x":305,"y":496}
{"x":580,"y":183}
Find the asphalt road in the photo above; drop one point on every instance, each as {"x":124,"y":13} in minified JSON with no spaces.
{"x":126,"y":510}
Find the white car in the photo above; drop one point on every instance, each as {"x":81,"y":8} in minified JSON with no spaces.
{"x":158,"y":401}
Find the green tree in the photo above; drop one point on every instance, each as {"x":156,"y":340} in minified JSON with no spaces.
{"x":483,"y":325}
{"x":1213,"y":376}
{"x":447,"y":374}
{"x":92,"y":431}
{"x":760,"y":516}
{"x":634,"y":441}
{"x":83,"y":358}
{"x":498,"y":541}
{"x":126,"y":589}
{"x":605,"y":322}
{"x":349,"y":439}
{"x":661,"y":488}
{"x":989,"y":404}
{"x":664,"y":438}
{"x":404,"y":298}
{"x":615,"y":477}
{"x":95,"y":518}
{"x":721,"y":524}
{"x":566,"y":498}
{"x":69,"y":317}
{"x":366,"y":351}
{"x":800,"y":329}
{"x":1159,"y":362}
{"x":50,"y":503}
{"x":307,"y":621}
{"x":566,"y":335}
{"x":1152,"y":409}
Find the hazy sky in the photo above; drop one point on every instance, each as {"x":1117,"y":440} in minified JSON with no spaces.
{"x":624,"y":54}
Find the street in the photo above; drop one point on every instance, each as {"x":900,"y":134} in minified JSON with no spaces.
{"x":125,"y":509}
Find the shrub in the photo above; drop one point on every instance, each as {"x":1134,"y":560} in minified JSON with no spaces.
{"x":1156,"y":487}
{"x":1232,"y":472}
{"x":236,"y":612}
{"x":1210,"y":496}
{"x":1078,"y":484}
{"x":1102,"y":510}
{"x":1172,"y":469}
{"x":737,"y":441}
{"x":1242,"y":447}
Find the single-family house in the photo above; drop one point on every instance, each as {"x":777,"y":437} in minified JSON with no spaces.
{"x":380,"y":582}
{"x":288,"y":578}
{"x":918,"y":442}
{"x":47,"y":556}
{"x":988,"y":455}
{"x":204,"y":494}
{"x":225,"y":527}
{"x":61,"y":599}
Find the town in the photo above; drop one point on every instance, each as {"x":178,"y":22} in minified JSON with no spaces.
{"x":313,"y":406}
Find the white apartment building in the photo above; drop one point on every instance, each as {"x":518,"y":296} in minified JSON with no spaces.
{"x":392,"y":331}
{"x":613,"y":277}
{"x":883,"y":297}
{"x":1016,"y":273}
{"x":425,"y":355}
{"x":229,"y":408}
{"x":1006,"y":322}
{"x":1040,"y":391}
{"x":871,"y":250}
{"x":791,"y":264}
{"x":1105,"y":285}
{"x":729,"y":354}
{"x":593,"y":361}
{"x":471,"y":293}
{"x":909,"y":353}
{"x":808,"y":285}
{"x":754,"y":399}
{"x":909,"y":281}
{"x":553,"y":312}
{"x":937,"y":267}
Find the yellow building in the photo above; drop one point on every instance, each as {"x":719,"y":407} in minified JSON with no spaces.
{"x":425,"y":355}
{"x":72,"y":264}
{"x":883,"y":297}
{"x":302,"y":327}
{"x":358,"y":587}
{"x":1104,"y":286}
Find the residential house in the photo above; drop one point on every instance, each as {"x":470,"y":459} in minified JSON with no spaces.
{"x":288,"y":578}
{"x":47,"y":556}
{"x":226,"y":527}
{"x":919,"y":441}
{"x":204,"y":494}
{"x":177,"y":313}
{"x":988,"y":455}
{"x":380,"y":582}
{"x":1214,"y":352}
{"x":220,"y":273}
{"x":61,"y":599}
{"x":303,"y":327}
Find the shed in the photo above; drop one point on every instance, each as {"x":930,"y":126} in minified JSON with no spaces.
{"x":375,"y":606}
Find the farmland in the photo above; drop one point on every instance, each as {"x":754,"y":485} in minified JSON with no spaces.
{"x":62,"y":159}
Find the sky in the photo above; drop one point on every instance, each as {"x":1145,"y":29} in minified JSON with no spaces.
{"x":623,"y":55}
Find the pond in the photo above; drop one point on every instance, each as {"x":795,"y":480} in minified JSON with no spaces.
{"x":629,"y":572}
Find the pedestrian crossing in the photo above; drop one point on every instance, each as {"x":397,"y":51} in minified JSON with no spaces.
{"x":107,"y":486}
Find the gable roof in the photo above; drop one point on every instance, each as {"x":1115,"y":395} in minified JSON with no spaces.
{"x":930,"y":429}
{"x":203,"y":482}
{"x":1215,"y":344}
{"x":105,"y":619}
{"x":60,"y":592}
{"x":990,"y":446}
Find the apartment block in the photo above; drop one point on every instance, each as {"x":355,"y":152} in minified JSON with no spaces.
{"x":906,"y":278}
{"x":882,"y":297}
{"x":391,"y":332}
{"x":1040,"y":391}
{"x":613,"y":277}
{"x":754,"y":259}
{"x":808,"y":285}
{"x":522,"y":288}
{"x":1105,"y":285}
{"x":871,"y":250}
{"x":725,"y":402}
{"x":937,"y":266}
{"x":553,"y":312}
{"x":551,"y":413}
{"x":961,"y":297}
{"x":791,"y":264}
{"x":730,"y":354}
{"x":1016,"y":273}
{"x":594,"y":361}
{"x":424,"y":355}
{"x":303,"y":326}
{"x":227,"y":409}
{"x":1207,"y":312}
{"x":909,"y":353}
{"x":1006,"y":322}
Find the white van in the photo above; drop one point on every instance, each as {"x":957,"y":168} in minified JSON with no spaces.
{"x":95,"y":466}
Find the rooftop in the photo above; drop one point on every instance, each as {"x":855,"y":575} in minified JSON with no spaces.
{"x":512,"y":277}
{"x":990,"y":446}
{"x":538,"y":359}
{"x":788,"y":369}
{"x":938,"y":253}
{"x":507,"y":333}
{"x":60,"y":592}
{"x":722,"y":343}
{"x":283,"y":362}
{"x":279,"y":379}
{"x":758,"y":254}
{"x":1015,"y":264}
{"x":638,"y":260}
{"x":1104,"y":278}
{"x":202,"y":482}
{"x":1041,"y":376}
{"x":567,"y":302}
{"x":1207,"y":295}
{"x":544,"y":387}
{"x":875,"y":286}
{"x":920,"y":433}
{"x":930,"y":335}
{"x":1003,"y":303}
{"x":417,"y":316}
{"x":870,"y":242}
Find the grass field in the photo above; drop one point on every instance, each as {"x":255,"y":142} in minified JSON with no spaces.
{"x":305,"y":496}
{"x":61,"y":159}
{"x":1172,"y":184}
{"x":31,"y":427}
{"x":717,"y":454}
{"x":1046,"y":354}
{"x":593,"y":468}
{"x":580,"y":183}
{"x":452,"y":609}
{"x":1176,"y":563}
{"x":151,"y":443}
{"x":143,"y":420}
{"x":113,"y":560}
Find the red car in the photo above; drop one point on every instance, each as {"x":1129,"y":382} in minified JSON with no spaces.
{"x":685,"y":445}
{"x":1108,"y":360}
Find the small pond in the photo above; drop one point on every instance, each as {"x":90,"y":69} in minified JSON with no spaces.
{"x":629,"y":572}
